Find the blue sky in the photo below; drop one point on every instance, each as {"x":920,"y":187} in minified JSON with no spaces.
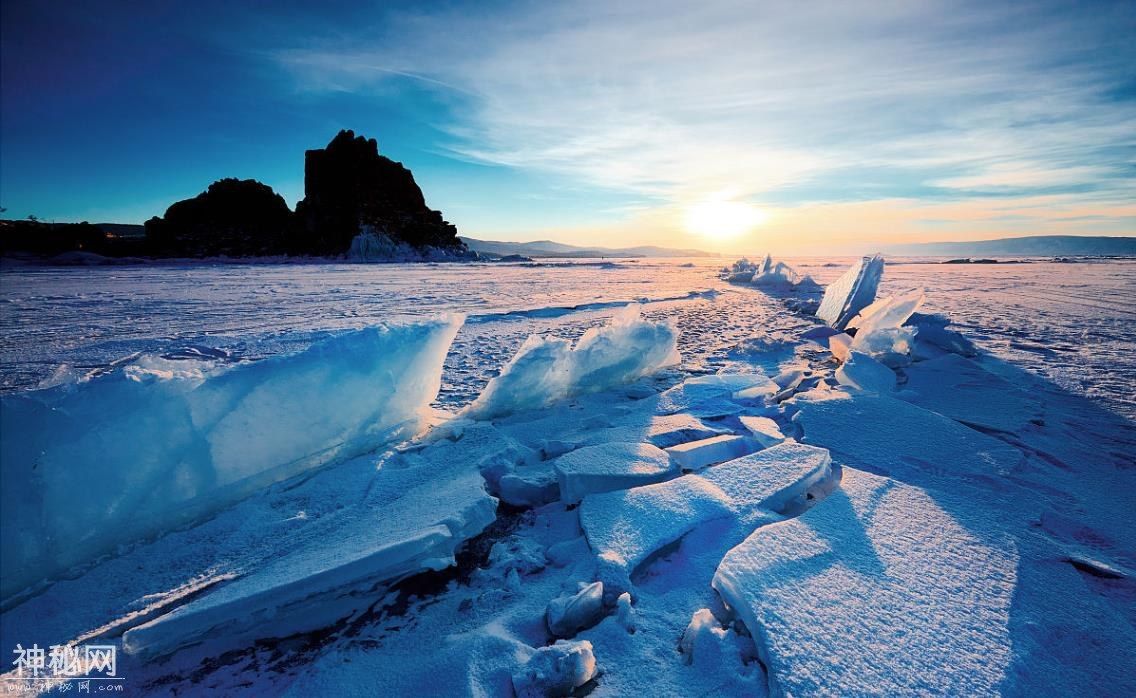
{"x":846,"y":123}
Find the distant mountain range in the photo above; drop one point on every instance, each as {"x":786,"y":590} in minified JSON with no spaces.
{"x":1035,"y":245}
{"x":548,"y":248}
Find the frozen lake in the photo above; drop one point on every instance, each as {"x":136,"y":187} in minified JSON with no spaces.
{"x":1074,"y":323}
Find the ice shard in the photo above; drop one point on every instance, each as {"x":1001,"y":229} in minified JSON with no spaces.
{"x":852,"y":292}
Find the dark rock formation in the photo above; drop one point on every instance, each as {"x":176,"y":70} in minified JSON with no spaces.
{"x":348,"y":185}
{"x":349,"y":189}
{"x":233,"y":217}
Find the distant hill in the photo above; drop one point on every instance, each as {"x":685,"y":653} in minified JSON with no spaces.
{"x":1036,"y":245}
{"x":548,"y":248}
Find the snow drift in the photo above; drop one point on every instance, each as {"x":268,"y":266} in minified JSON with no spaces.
{"x":547,"y":369}
{"x":154,"y":444}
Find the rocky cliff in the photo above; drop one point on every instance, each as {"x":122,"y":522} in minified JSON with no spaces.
{"x":349,"y":185}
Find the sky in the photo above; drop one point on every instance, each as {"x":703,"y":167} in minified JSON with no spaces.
{"x":724,"y":126}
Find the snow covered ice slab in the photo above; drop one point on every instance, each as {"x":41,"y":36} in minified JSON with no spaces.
{"x":625,"y":528}
{"x":961,"y":389}
{"x":545,"y":370}
{"x":763,"y":430}
{"x":613,"y":466}
{"x":698,"y":399}
{"x":412,"y":519}
{"x":888,"y":435}
{"x":157,"y":443}
{"x":876,"y":591}
{"x":695,"y":455}
{"x":852,"y":292}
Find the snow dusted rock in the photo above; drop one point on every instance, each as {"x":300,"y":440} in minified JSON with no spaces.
{"x":961,"y":389}
{"x":894,"y":437}
{"x":876,"y":591}
{"x":607,"y":467}
{"x":863,"y":373}
{"x":545,"y":370}
{"x":852,"y":292}
{"x":840,"y":345}
{"x":156,"y":444}
{"x":571,"y":613}
{"x":626,"y":528}
{"x":556,"y":670}
{"x":763,"y":430}
{"x":696,"y":455}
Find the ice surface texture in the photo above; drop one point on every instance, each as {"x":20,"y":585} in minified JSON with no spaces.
{"x":152,"y":445}
{"x":852,"y":292}
{"x":876,"y":591}
{"x":545,"y":370}
{"x":625,"y":528}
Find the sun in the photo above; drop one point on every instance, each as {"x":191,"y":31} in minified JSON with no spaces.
{"x":723,"y":219}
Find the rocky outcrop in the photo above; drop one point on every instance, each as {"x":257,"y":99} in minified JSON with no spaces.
{"x":348,"y":185}
{"x":233,"y":217}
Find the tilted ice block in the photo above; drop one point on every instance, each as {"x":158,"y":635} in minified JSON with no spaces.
{"x":545,"y":370}
{"x":763,"y":430}
{"x":151,"y":446}
{"x":607,"y":467}
{"x":410,"y":520}
{"x":887,"y":313}
{"x":889,"y":435}
{"x":695,"y":455}
{"x":862,"y":372}
{"x":880,"y":330}
{"x":852,"y":292}
{"x":876,"y":591}
{"x":625,"y":528}
{"x":962,"y":390}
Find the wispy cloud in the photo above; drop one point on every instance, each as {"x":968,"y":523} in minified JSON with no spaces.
{"x":675,"y":101}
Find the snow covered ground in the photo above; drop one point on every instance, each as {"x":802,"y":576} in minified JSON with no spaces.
{"x":749,"y":516}
{"x":1073,"y":323}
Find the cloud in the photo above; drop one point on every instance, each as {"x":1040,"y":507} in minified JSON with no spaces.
{"x":675,"y":101}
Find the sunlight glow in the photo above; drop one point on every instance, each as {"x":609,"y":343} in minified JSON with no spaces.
{"x":722,"y":219}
